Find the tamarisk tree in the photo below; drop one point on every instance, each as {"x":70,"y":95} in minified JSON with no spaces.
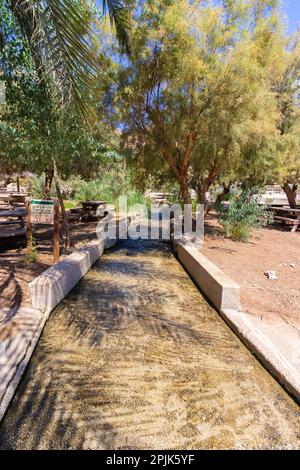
{"x":197,"y":92}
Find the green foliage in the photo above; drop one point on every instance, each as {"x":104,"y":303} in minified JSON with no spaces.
{"x":35,"y":129}
{"x":108,"y":188}
{"x":60,"y":37}
{"x":242,"y":215}
{"x":209,"y":97}
{"x":135,"y":197}
{"x":69,"y":204}
{"x":90,"y":190}
{"x":205,"y":92}
{"x":32,"y":255}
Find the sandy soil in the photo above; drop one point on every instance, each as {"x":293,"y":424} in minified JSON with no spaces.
{"x":270,"y":249}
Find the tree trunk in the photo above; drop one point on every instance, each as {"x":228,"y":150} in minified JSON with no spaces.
{"x":67,"y":241}
{"x":184,"y":190}
{"x":291,"y":194}
{"x":202,"y":189}
{"x":221,"y":196}
{"x":48,"y":183}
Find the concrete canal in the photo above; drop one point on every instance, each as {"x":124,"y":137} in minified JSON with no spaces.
{"x":135,"y":358}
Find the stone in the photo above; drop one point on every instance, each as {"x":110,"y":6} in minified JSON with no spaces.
{"x":271,"y":275}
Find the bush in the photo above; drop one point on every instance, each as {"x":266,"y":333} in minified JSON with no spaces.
{"x":89,"y":190}
{"x":242,"y":216}
{"x":108,"y":189}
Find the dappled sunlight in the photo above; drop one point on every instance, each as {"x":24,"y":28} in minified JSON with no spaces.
{"x":132,"y":360}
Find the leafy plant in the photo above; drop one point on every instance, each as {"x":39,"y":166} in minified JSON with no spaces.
{"x":59,"y":36}
{"x":135,"y":197}
{"x":242,"y":215}
{"x":32,"y":255}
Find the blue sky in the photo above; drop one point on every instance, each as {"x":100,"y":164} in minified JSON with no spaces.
{"x":291,"y":9}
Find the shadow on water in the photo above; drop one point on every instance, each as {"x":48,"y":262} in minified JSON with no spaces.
{"x":135,"y":358}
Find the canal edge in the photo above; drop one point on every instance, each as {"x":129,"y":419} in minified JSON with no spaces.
{"x":224,"y":295}
{"x":47,"y":291}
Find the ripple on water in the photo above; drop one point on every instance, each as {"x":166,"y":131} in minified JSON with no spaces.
{"x":134,"y":357}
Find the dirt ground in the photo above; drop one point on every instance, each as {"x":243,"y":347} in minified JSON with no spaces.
{"x":15,"y":273}
{"x":271,"y":248}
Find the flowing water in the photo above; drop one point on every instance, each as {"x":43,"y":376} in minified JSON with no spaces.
{"x":135,"y":358}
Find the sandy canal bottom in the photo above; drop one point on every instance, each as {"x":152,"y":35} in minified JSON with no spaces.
{"x":135,"y":358}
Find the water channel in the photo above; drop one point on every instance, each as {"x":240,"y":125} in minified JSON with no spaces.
{"x":135,"y":358}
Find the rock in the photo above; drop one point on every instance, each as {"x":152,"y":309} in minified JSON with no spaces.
{"x":271,"y":275}
{"x":292,"y":265}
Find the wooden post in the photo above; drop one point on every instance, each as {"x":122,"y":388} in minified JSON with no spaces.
{"x":28,"y":228}
{"x":56,"y":233}
{"x":18,"y":184}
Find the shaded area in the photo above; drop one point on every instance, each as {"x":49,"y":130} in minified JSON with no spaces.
{"x":15,"y":273}
{"x":135,"y":358}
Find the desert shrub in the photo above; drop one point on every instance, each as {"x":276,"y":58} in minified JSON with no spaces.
{"x":88,"y":190}
{"x":31,"y":256}
{"x":70,"y":204}
{"x":242,"y":215}
{"x":108,"y":189}
{"x":135,"y":197}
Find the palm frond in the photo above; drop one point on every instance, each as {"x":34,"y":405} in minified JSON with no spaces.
{"x":119,"y":16}
{"x":61,"y":35}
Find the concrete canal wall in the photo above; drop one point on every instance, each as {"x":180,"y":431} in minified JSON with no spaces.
{"x":272,"y":343}
{"x":275,"y":343}
{"x":47,"y":291}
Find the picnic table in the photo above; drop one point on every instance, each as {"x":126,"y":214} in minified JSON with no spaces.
{"x":18,"y":214}
{"x":18,"y":198}
{"x":4,"y":197}
{"x":13,"y":227}
{"x":13,"y":199}
{"x":287,"y":215}
{"x":89,"y":208}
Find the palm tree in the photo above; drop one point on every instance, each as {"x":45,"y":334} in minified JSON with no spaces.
{"x":60,"y":36}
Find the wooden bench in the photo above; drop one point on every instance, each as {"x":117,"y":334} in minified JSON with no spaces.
{"x":12,"y":228}
{"x":73,"y":217}
{"x":289,"y":216}
{"x":9,"y":236}
{"x":17,"y":215}
{"x":10,"y":222}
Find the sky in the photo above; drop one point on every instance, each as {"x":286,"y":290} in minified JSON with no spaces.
{"x":291,"y":10}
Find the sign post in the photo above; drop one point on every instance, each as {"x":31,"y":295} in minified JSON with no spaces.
{"x":56,"y":234}
{"x":42,"y":211}
{"x":28,"y":228}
